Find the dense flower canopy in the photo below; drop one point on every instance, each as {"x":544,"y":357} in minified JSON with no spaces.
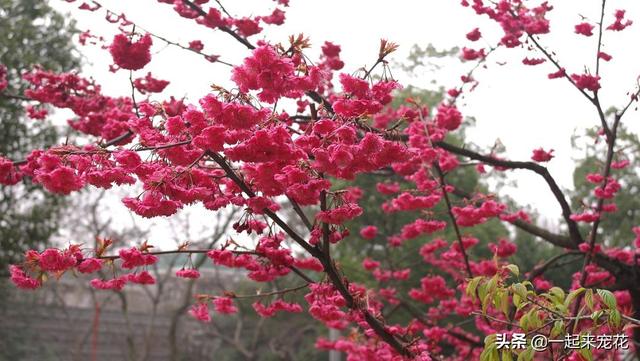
{"x":247,"y":148}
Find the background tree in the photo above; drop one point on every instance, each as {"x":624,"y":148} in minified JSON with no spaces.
{"x":33,"y":34}
{"x":617,"y":227}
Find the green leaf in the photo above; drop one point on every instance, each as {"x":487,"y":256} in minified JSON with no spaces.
{"x":573,"y":295}
{"x":527,"y":283}
{"x":595,"y":316}
{"x":492,"y":284}
{"x":490,"y":353}
{"x":526,"y":355}
{"x":514,"y":269}
{"x":517,"y":301}
{"x":524,"y":322}
{"x":615,"y":318}
{"x":504,"y":303}
{"x":520,"y":290}
{"x":485,"y":304}
{"x":472,"y":286}
{"x":489,"y":339}
{"x":608,"y":299}
{"x":588,"y":299}
{"x":557,"y":295}
{"x":507,"y":355}
{"x":558,"y":328}
{"x":586,"y":354}
{"x":482,"y":291}
{"x":534,"y":320}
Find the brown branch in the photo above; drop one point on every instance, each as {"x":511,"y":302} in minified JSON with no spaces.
{"x":133,"y":93}
{"x":594,"y":230}
{"x":223,"y":28}
{"x":15,"y":96}
{"x":633,"y":98}
{"x":328,"y":265}
{"x":180,"y":251}
{"x":297,"y":271}
{"x":326,"y":245}
{"x":456,"y":228}
{"x":118,"y":139}
{"x":421,"y":317}
{"x":316,"y":97}
{"x":245,"y":188}
{"x":206,"y":56}
{"x":105,"y":151}
{"x":605,"y":174}
{"x":271,"y":293}
{"x":559,"y":240}
{"x":541,"y":269}
{"x":300,"y":213}
{"x":600,"y":25}
{"x":594,"y":100}
{"x":320,"y":100}
{"x":574,"y":233}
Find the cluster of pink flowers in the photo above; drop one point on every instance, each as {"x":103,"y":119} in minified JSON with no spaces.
{"x":586,"y":81}
{"x":274,"y":75}
{"x":96,"y":114}
{"x":325,"y":304}
{"x":360,"y":99}
{"x":331,"y":54}
{"x":312,"y":264}
{"x":620,"y":23}
{"x":432,"y":288}
{"x":541,"y":155}
{"x":56,"y":261}
{"x":200,"y":312}
{"x":188,"y":273}
{"x":585,"y":29}
{"x":149,"y":84}
{"x":224,"y":305}
{"x":23,"y":280}
{"x":213,"y":18}
{"x":9,"y":175}
{"x":131,"y":55}
{"x":340,"y":214}
{"x":504,"y":248}
{"x":420,"y":227}
{"x":369,"y":232}
{"x":275,"y":306}
{"x":533,"y":61}
{"x":470,"y":216}
{"x":586,"y":217}
{"x":515,"y":18}
{"x":4,"y":83}
{"x":448,"y":117}
{"x":472,"y":54}
{"x":133,"y":257}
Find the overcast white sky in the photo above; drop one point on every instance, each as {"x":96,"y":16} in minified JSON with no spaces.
{"x":514,"y":103}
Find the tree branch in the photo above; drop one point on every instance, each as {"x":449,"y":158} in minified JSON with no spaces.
{"x":443,"y":186}
{"x":559,"y":240}
{"x":574,"y":233}
{"x":245,"y":188}
{"x":223,"y":28}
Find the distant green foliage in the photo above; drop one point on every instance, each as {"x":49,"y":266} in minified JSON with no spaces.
{"x":32,"y":34}
{"x":426,"y":57}
{"x":616,"y":226}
